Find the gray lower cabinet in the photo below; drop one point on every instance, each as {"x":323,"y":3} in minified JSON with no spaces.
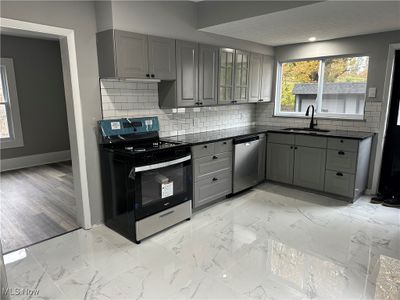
{"x":280,"y":161}
{"x":186,"y":73}
{"x":212,"y":188}
{"x":212,"y":171}
{"x":208,"y":75}
{"x":261,"y":157}
{"x":162,"y":63}
{"x":309,"y":167}
{"x":337,"y":166}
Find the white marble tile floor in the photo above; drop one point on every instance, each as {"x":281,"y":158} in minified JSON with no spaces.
{"x":272,"y":242}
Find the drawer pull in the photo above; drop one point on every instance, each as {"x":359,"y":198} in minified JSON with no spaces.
{"x":215,"y":157}
{"x":224,"y":143}
{"x":205,"y":146}
{"x":339,"y":174}
{"x":341,"y":152}
{"x":214,"y":179}
{"x":167,"y":213}
{"x":341,"y":141}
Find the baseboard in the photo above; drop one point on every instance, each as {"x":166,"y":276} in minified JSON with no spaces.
{"x":34,"y":160}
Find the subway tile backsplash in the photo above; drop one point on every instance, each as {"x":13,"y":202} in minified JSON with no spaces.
{"x":121,"y":99}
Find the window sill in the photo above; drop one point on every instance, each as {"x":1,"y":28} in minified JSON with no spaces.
{"x":319,"y":117}
{"x":11,"y":143}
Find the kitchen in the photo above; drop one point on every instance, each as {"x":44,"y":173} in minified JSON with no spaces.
{"x":241,"y":156}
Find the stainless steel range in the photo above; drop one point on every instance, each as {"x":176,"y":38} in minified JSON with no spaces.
{"x":146,"y":181}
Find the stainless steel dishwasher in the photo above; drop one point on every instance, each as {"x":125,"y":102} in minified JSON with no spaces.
{"x":245,"y":163}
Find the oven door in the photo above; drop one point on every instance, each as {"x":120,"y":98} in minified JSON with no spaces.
{"x":161,"y":185}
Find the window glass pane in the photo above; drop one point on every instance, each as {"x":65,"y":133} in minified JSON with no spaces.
{"x":4,"y":130}
{"x":243,"y":93}
{"x":229,"y":76}
{"x":299,"y":85}
{"x":345,"y":85}
{"x":222,"y":78}
{"x":222,"y":93}
{"x":223,"y":59}
{"x":244,"y":77}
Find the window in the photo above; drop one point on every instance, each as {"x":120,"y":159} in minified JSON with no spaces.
{"x":10,"y":123}
{"x":335,"y":86}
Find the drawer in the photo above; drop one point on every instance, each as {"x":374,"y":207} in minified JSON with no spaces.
{"x":206,"y":166}
{"x":343,"y":144}
{"x":203,"y":150}
{"x":155,"y":223}
{"x":281,"y":138}
{"x":339,"y":183}
{"x":342,"y":161}
{"x":310,"y":141}
{"x":212,"y":188}
{"x":223,"y":146}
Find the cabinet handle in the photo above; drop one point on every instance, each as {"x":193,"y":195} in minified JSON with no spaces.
{"x":224,"y":143}
{"x":339,"y":174}
{"x":205,"y":146}
{"x":295,"y":148}
{"x":152,"y":75}
{"x":341,"y":153}
{"x":147,"y":75}
{"x":260,"y":100}
{"x":214,"y":179}
{"x":200,"y":103}
{"x":215,"y":157}
{"x":291,"y":147}
{"x":167,"y":213}
{"x":341,"y":141}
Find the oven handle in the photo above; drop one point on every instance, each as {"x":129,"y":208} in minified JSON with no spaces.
{"x":162,"y":165}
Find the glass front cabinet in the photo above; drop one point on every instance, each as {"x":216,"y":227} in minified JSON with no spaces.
{"x":233,"y":83}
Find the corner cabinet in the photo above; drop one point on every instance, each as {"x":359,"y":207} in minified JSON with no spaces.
{"x":260,"y":80}
{"x":187,"y":73}
{"x":208,"y":75}
{"x":123,"y":54}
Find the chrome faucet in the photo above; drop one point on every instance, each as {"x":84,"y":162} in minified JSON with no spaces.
{"x":312,"y":124}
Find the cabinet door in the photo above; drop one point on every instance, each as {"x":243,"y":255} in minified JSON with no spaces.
{"x":162,"y":64}
{"x":261,"y":158}
{"x":255,"y":77}
{"x":225,"y":75}
{"x":212,"y":188}
{"x":309,"y":167}
{"x":208,"y":74}
{"x":187,"y":72}
{"x":242,"y":63}
{"x":131,"y":54}
{"x":280,"y":162}
{"x":266,"y":78}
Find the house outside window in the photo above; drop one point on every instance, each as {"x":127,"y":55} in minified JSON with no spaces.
{"x":335,"y":86}
{"x":10,"y":122}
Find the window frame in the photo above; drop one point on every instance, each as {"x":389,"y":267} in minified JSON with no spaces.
{"x":12,"y":107}
{"x":318,"y":101}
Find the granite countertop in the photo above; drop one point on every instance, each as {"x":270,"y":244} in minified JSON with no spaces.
{"x":216,"y":135}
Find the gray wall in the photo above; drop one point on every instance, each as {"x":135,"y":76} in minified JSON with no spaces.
{"x":174,"y":19}
{"x":40,"y":89}
{"x":80,"y":17}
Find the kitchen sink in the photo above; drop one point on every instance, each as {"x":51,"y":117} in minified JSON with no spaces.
{"x":307,"y":129}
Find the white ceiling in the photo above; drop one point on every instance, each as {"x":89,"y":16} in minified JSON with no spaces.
{"x":324,"y":20}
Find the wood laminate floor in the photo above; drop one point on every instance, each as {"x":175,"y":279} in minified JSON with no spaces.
{"x":36,"y":204}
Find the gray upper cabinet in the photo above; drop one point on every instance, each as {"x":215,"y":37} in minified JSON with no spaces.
{"x":187,"y":73}
{"x":132,"y":55}
{"x":208,"y":74}
{"x":309,"y":167}
{"x":225,"y":75}
{"x":255,"y":77}
{"x":266,"y":78}
{"x":162,"y":62}
{"x":241,"y":75}
{"x":280,"y":160}
{"x":260,"y":80}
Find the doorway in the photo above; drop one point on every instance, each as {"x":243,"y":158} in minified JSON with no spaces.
{"x":36,"y":181}
{"x":390,"y":171}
